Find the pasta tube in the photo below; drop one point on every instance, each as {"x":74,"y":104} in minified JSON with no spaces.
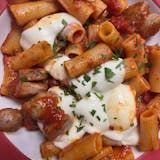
{"x":134,"y":47}
{"x":73,"y":50}
{"x":99,"y":7}
{"x":82,"y":10}
{"x":148,"y":131}
{"x":154,"y":74}
{"x":155,"y":105}
{"x":48,"y":149}
{"x":74,"y":33}
{"x":131,"y":68}
{"x":25,"y":12}
{"x":10,"y":78}
{"x":17,"y":1}
{"x":11,"y":45}
{"x":93,"y":32}
{"x":88,"y":60}
{"x":83,"y":149}
{"x":35,"y":55}
{"x":139,"y":84}
{"x":109,"y":34}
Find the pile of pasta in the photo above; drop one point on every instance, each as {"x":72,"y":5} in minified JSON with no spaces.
{"x":58,"y":49}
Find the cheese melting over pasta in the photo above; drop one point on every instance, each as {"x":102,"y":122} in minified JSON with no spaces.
{"x":46,"y":29}
{"x":97,"y":113}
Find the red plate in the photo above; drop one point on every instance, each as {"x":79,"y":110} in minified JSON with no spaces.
{"x":9,"y":152}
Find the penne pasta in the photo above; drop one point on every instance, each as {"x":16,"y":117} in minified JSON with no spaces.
{"x":99,"y":7}
{"x":109,"y":142}
{"x":48,"y":149}
{"x":25,"y":12}
{"x":155,"y":105}
{"x":11,"y":45}
{"x":131,"y":68}
{"x":73,"y":50}
{"x":109,"y":34}
{"x":82,"y":149}
{"x":93,"y":30}
{"x":148,"y":131}
{"x":79,"y":9}
{"x":134,"y":47}
{"x":10,"y":78}
{"x":88,"y":60}
{"x":35,"y":55}
{"x":154,"y":74}
{"x":139,"y":84}
{"x":74,"y":33}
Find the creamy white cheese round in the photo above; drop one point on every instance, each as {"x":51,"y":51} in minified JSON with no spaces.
{"x":101,"y":79}
{"x":55,"y":67}
{"x":46,"y":29}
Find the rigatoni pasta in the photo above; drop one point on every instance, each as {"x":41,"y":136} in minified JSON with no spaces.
{"x":25,"y":12}
{"x":148,"y":131}
{"x":88,"y":60}
{"x":154,"y":75}
{"x":83,"y":149}
{"x":109,"y":34}
{"x":35,"y":55}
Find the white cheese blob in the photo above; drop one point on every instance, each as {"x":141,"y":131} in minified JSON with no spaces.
{"x":127,"y":137}
{"x":93,"y":111}
{"x":46,"y":29}
{"x":96,"y":79}
{"x":121,"y":107}
{"x":55,"y":67}
{"x":96,"y":112}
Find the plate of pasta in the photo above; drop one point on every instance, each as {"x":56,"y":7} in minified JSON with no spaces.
{"x":80,"y":80}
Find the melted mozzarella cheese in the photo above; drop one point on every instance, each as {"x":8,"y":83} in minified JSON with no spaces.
{"x":94,"y":112}
{"x":121,"y":107}
{"x":55,"y":68}
{"x":97,"y":112}
{"x":98,"y":81}
{"x":127,"y":137}
{"x":46,"y":29}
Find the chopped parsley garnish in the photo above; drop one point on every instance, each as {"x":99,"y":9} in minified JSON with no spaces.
{"x":83,"y":83}
{"x":80,"y":117}
{"x":97,"y":70}
{"x":144,"y":65}
{"x":104,"y":120}
{"x":91,"y":44}
{"x":79,"y":128}
{"x":88,"y":94}
{"x":120,"y":64}
{"x":23,"y":79}
{"x":104,"y":107}
{"x":100,"y":96}
{"x":72,"y":86}
{"x":67,"y":132}
{"x":39,"y":28}
{"x":99,"y":119}
{"x":117,"y":54}
{"x":93,"y":112}
{"x":64,"y":22}
{"x":59,"y":42}
{"x":66,"y":93}
{"x":132,"y":124}
{"x":74,"y":114}
{"x":91,"y":124}
{"x":73,"y":105}
{"x":115,"y":118}
{"x":87,"y":78}
{"x":108,"y":74}
{"x":94,"y":84}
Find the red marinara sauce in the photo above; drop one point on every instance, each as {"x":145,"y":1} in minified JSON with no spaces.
{"x":52,"y":114}
{"x":121,"y":24}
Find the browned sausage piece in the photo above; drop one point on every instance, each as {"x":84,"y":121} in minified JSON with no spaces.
{"x":10,"y":119}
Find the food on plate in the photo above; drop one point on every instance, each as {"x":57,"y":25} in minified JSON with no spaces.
{"x":10,"y":119}
{"x":85,"y":76}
